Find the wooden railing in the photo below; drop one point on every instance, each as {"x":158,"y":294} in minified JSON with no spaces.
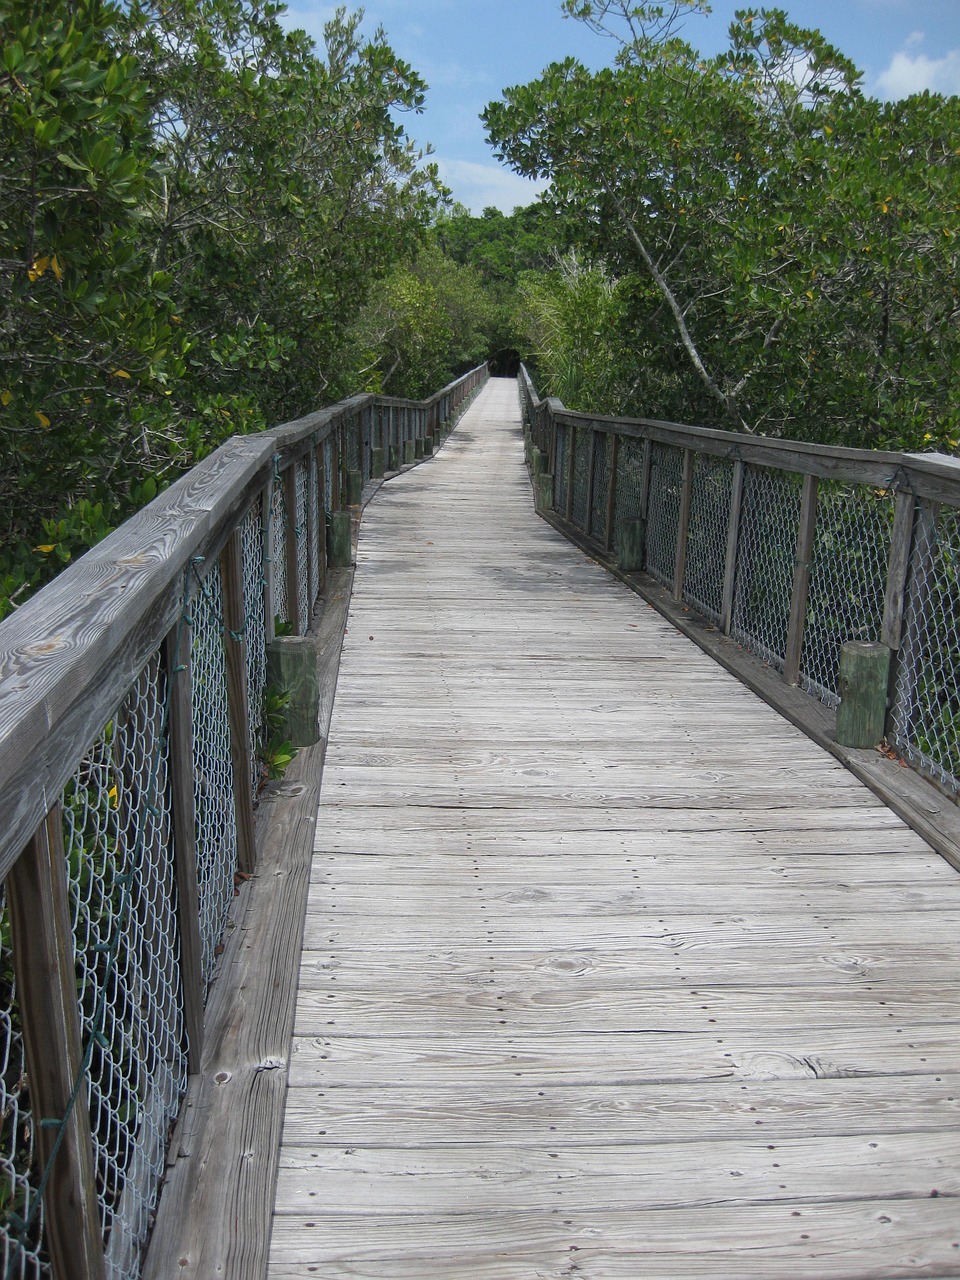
{"x":840,"y":568}
{"x":134,"y":730}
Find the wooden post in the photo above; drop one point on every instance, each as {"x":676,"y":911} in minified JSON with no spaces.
{"x":293,"y":575}
{"x":409,"y":454}
{"x":43,"y":961}
{"x":292,"y":667}
{"x":733,"y":543}
{"x":376,"y":463}
{"x":418,"y":447}
{"x":183,"y":809}
{"x":571,"y":464}
{"x":898,"y":567}
{"x":335,"y":478}
{"x":341,"y":540}
{"x":543,"y":491}
{"x":393,"y":458}
{"x":591,"y":466}
{"x":235,"y":652}
{"x":538,"y":461}
{"x":646,"y":468}
{"x":270,"y":552}
{"x":907,"y":670}
{"x":354,"y":488}
{"x":321,"y":520}
{"x":683,"y":525}
{"x":313,"y":569}
{"x":633,"y":543}
{"x":864,"y":674}
{"x":613,"y":463}
{"x":428,"y":446}
{"x":801,"y":580}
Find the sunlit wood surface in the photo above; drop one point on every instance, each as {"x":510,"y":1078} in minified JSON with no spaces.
{"x":608,"y":971}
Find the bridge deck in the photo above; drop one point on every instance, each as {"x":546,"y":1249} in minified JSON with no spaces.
{"x":608,"y":971}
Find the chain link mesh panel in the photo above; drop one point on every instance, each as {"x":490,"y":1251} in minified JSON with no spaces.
{"x":213,"y":787}
{"x":663,"y":511}
{"x":707,"y":535}
{"x":581,"y":478}
{"x":351,"y":444}
{"x":926,"y":712}
{"x":601,"y":479}
{"x":367,"y":434}
{"x":629,"y":485}
{"x":848,"y":577}
{"x":121,"y":886}
{"x":255,"y":633}
{"x":769,"y":520}
{"x":279,"y":523}
{"x":560,"y":470}
{"x":303,"y":548}
{"x":22,"y":1258}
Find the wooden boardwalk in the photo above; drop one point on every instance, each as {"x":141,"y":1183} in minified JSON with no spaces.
{"x":609,"y":972}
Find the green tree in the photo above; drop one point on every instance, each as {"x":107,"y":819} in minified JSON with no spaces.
{"x":793,"y":242}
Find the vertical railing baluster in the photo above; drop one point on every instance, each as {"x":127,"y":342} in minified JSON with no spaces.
{"x":235,"y":655}
{"x":177,"y":663}
{"x":46,"y":978}
{"x":806,"y":533}
{"x":733,"y":544}
{"x":683,"y":524}
{"x":613,"y":455}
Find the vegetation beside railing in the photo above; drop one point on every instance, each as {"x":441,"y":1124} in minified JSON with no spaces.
{"x":136,"y":726}
{"x":791,"y":549}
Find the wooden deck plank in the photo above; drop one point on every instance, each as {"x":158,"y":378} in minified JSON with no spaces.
{"x":609,"y":971}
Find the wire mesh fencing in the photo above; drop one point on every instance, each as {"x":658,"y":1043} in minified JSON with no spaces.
{"x":766,"y":559}
{"x":560,"y":465}
{"x":663,"y":511}
{"x":255,"y":632}
{"x":600,"y":487}
{"x":277,"y":550}
{"x":304,"y":599}
{"x":628,"y":494}
{"x":117,"y":823}
{"x":925,"y":721}
{"x":707,"y":535}
{"x":848,"y":579}
{"x":23,"y":1255}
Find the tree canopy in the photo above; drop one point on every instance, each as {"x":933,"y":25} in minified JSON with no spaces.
{"x":785,"y":247}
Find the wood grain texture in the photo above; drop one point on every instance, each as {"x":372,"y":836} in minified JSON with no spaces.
{"x":609,"y":971}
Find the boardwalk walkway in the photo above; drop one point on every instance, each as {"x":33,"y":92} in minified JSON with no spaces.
{"x":608,"y":971}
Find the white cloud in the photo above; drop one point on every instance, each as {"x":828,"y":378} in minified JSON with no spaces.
{"x":480,"y":185}
{"x":915,"y":38}
{"x":912,"y":73}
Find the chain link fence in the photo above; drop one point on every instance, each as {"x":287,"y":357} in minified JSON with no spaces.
{"x":601,"y":486}
{"x":707,"y":535}
{"x":663,"y":511}
{"x":767,"y":555}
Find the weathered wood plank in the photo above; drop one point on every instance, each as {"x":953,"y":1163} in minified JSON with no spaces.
{"x":592,"y":929}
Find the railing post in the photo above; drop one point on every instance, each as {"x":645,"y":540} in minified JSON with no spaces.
{"x":801,"y":579}
{"x":183,"y":809}
{"x":646,"y":469}
{"x":290,"y":546}
{"x":898,"y":566}
{"x":907,"y":673}
{"x":313,"y":568}
{"x":43,"y":961}
{"x":733,"y":541}
{"x":591,"y":466}
{"x":234,"y":643}
{"x":571,"y":465}
{"x":683,"y":525}
{"x":614,"y":461}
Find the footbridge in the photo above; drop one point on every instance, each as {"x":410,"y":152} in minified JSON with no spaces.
{"x":606,"y":924}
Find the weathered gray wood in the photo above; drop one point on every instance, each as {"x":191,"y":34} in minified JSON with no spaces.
{"x":613,"y":447}
{"x":43,"y":961}
{"x":898,"y":567}
{"x":69,"y":654}
{"x":733,"y":541}
{"x":803,"y":564}
{"x":376,"y":462}
{"x":683,"y":524}
{"x":591,"y":467}
{"x":544,"y":491}
{"x":539,"y":974}
{"x":314,"y":516}
{"x":235,"y":644}
{"x":864,"y":673}
{"x":354,"y":488}
{"x":184,"y":816}
{"x":292,"y":668}
{"x":340,"y":550}
{"x":409,"y":452}
{"x":393,"y":457}
{"x":633,"y":545}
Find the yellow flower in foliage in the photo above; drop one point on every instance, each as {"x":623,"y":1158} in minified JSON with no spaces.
{"x":45,"y":547}
{"x":114,"y":798}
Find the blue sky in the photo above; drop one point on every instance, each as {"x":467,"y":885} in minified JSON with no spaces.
{"x":469,"y":50}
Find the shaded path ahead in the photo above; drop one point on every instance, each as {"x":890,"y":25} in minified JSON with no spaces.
{"x":608,"y":970}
